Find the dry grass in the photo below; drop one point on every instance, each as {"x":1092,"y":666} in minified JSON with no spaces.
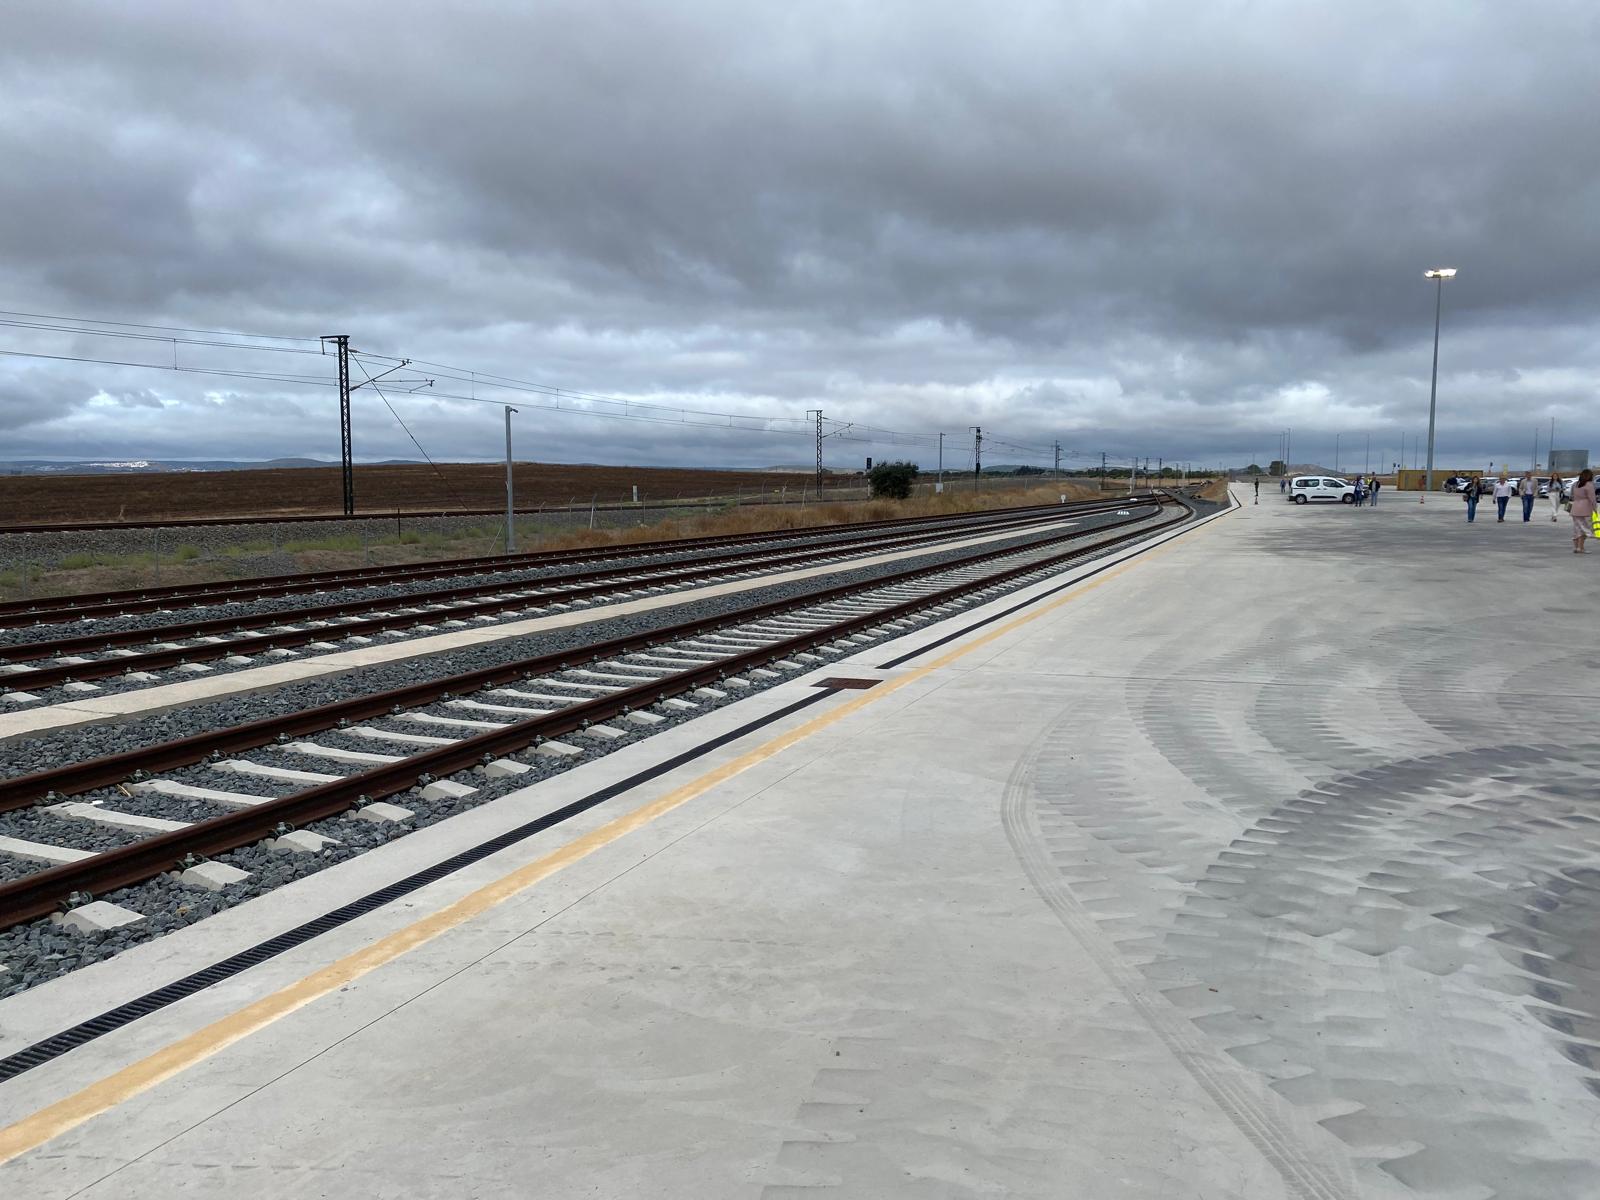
{"x":1216,"y":491}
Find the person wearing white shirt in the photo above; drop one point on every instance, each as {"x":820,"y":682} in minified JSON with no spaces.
{"x":1528,"y":489}
{"x":1503,"y":488}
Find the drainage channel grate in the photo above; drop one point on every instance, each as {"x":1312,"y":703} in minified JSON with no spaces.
{"x":840,"y":682}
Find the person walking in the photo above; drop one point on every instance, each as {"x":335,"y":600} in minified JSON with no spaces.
{"x":1361,"y":493}
{"x":1470,"y":495}
{"x":1528,"y":489}
{"x":1555,"y":496}
{"x":1372,"y":492}
{"x":1283,"y":485}
{"x":1583,"y":506}
{"x":1503,"y":488}
{"x":1258,"y":489}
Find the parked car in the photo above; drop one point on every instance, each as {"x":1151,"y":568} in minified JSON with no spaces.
{"x":1303,"y":489}
{"x":1457,"y":483}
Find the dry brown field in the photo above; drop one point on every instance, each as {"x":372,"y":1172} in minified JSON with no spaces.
{"x":315,"y":491}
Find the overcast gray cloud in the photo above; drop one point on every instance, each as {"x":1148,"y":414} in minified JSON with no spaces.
{"x":1170,"y":229}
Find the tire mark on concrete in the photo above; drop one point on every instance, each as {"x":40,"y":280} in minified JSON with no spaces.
{"x":1309,"y":1161}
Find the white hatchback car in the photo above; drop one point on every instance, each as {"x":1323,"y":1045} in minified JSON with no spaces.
{"x":1303,"y":489}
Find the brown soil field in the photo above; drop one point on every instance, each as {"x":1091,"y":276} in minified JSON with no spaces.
{"x":315,"y":491}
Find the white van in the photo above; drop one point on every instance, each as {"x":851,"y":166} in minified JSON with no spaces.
{"x":1303,"y":489}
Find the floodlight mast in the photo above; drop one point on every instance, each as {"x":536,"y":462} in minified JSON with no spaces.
{"x":1438,"y":275}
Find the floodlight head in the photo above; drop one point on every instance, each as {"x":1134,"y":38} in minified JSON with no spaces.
{"x":1440,"y":273}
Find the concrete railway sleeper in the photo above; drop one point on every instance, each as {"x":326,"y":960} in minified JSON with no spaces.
{"x":548,"y":587}
{"x":59,"y":609}
{"x":190,"y":645}
{"x":472,"y":722}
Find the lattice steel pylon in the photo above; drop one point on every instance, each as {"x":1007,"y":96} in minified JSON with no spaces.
{"x":346,"y":462}
{"x":817,"y":413}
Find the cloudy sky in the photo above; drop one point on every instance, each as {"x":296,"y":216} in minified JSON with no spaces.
{"x":1143,"y":228}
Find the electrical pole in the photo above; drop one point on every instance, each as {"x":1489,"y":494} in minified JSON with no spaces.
{"x":1133,"y":473}
{"x":977,"y":455}
{"x":511,"y":509}
{"x":1058,"y":460}
{"x":341,"y":342}
{"x":817,"y":413}
{"x":941,"y":462}
{"x":1102,"y":470}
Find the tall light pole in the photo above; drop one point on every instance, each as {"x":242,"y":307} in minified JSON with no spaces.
{"x":1438,"y":275}
{"x":1336,"y":438}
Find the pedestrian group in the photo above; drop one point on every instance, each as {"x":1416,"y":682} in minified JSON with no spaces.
{"x":1581,"y":503}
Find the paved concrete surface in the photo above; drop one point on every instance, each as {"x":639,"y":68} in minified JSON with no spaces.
{"x":1264,"y":866}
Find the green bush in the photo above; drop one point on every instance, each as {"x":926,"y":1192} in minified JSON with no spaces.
{"x":893,"y":480}
{"x":186,"y":553}
{"x":78,"y":562}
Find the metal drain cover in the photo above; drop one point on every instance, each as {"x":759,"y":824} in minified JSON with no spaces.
{"x":840,"y":682}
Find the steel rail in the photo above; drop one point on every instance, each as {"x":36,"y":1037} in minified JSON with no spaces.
{"x":109,"y":770}
{"x":567,"y":587}
{"x":43,"y":892}
{"x":280,"y":639}
{"x":134,"y":600}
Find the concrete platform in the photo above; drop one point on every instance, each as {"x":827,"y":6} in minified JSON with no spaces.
{"x":1261,"y":865}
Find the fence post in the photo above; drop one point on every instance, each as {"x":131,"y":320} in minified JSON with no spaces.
{"x":158,"y":556}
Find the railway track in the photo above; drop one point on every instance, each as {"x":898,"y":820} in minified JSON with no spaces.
{"x":242,"y":640}
{"x":270,"y":778}
{"x":61,"y":609}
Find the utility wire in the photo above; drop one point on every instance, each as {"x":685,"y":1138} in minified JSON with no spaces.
{"x":548,"y":398}
{"x":373,"y":384}
{"x":270,"y":337}
{"x":182,"y":370}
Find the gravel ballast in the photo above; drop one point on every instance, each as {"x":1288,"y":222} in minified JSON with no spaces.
{"x":42,"y":950}
{"x":244,"y":609}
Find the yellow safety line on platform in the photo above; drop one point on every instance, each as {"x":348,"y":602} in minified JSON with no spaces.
{"x":72,"y":1111}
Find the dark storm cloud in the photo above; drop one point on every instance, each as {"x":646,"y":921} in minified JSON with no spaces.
{"x":1139,"y":227}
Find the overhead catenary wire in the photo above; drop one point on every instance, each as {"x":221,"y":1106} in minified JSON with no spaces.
{"x":373,"y":384}
{"x":541,"y":397}
{"x":274,"y":337}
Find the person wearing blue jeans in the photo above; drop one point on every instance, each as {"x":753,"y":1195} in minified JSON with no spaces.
{"x":1372,"y":493}
{"x":1503,"y":488}
{"x":1472,"y":500}
{"x":1528,"y":489}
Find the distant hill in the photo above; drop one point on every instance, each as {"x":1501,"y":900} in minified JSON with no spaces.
{"x":150,"y":466}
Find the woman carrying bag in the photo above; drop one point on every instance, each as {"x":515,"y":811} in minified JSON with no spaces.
{"x":1583,"y":509}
